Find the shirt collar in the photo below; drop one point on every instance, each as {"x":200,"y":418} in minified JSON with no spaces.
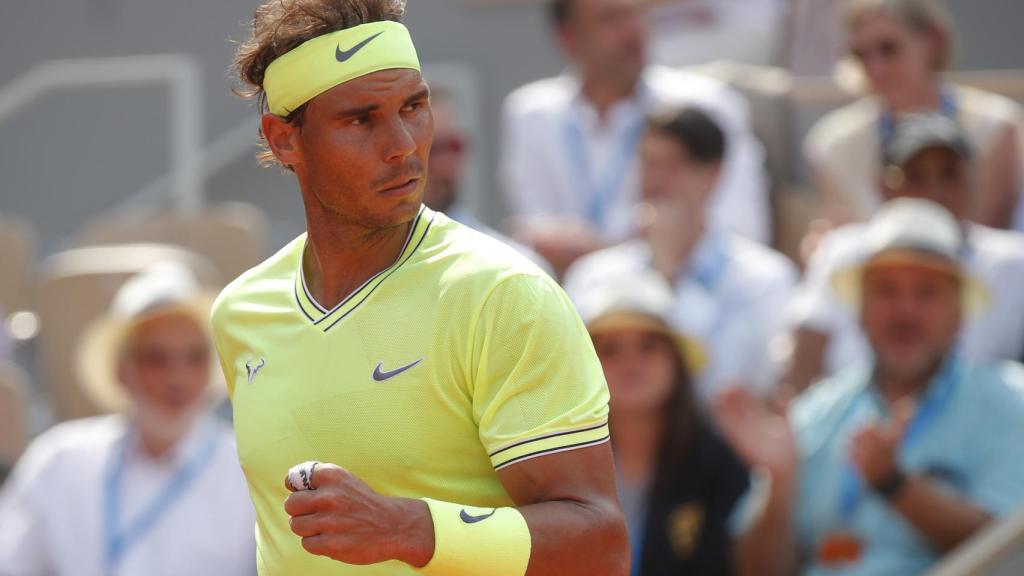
{"x":182,"y":449}
{"x":939,"y":387}
{"x":708,"y":261}
{"x":583,"y":110}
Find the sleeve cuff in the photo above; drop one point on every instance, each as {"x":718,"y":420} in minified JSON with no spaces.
{"x":550,"y":443}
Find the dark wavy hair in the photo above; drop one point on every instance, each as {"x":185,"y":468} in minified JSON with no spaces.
{"x":278,"y":26}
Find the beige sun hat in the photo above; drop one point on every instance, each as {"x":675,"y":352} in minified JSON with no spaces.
{"x":164,"y":289}
{"x":639,"y":301}
{"x":912,"y":232}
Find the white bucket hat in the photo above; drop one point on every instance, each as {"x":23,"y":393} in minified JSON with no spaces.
{"x":912,"y":232}
{"x":638,"y":301}
{"x":165,"y":289}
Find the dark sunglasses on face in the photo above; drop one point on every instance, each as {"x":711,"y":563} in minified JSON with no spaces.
{"x":153,"y":358}
{"x":885,"y":50}
{"x":448,"y":144}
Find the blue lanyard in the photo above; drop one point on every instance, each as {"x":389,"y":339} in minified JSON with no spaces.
{"x":637,"y":535}
{"x":598,"y":195}
{"x":947,"y":106}
{"x":851,"y":484}
{"x":119,"y":541}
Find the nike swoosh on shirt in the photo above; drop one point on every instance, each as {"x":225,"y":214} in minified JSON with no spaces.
{"x":380,"y":375}
{"x":469,"y":519}
{"x":345,"y":55}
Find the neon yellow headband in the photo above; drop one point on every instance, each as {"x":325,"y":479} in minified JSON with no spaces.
{"x":322,"y":63}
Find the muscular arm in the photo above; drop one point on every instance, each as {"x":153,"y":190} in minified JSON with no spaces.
{"x":568,"y":500}
{"x":570,"y":504}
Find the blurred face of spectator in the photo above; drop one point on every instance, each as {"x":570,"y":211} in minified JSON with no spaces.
{"x":937,"y":174}
{"x":668,"y":170}
{"x":893,"y":55}
{"x":447,"y":157}
{"x":640,"y":368}
{"x":911,"y":315}
{"x":607,"y":37}
{"x":166,"y":369}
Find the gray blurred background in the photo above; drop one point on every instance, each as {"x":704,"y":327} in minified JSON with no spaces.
{"x":68,"y":156}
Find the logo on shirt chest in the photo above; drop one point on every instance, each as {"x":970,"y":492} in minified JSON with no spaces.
{"x":381,"y":375}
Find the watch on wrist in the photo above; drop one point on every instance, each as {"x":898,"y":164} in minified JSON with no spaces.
{"x":892,"y":485}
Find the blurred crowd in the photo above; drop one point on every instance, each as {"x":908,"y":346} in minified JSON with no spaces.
{"x":856,"y":408}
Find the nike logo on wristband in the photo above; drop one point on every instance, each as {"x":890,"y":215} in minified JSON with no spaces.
{"x":345,"y":55}
{"x":469,"y":519}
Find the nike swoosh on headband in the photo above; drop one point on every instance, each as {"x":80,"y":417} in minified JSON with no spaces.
{"x":346,"y":55}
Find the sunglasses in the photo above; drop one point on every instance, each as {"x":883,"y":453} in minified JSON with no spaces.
{"x":449,"y":145}
{"x":886,"y":50}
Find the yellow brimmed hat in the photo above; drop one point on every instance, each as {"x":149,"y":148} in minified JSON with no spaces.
{"x":324,"y":62}
{"x":166,"y":289}
{"x":638,"y":301}
{"x":912,"y":232}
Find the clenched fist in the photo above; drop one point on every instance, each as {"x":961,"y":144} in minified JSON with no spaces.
{"x":342,"y":518}
{"x":874,"y":449}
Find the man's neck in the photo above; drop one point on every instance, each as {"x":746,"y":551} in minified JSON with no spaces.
{"x":604,"y":93}
{"x":670,"y":257}
{"x":339,"y":257}
{"x":895,"y":386}
{"x":637,"y":441}
{"x":923,"y":98}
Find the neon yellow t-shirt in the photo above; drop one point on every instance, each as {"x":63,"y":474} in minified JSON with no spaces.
{"x":458,"y":360}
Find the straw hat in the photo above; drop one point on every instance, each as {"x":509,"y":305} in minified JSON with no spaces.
{"x":912,"y":232}
{"x":165,"y":289}
{"x":638,"y":301}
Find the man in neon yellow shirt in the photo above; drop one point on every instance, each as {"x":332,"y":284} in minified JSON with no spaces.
{"x":444,"y":385}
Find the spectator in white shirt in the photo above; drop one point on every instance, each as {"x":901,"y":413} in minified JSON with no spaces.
{"x":448,"y":155}
{"x":569,"y":159}
{"x":154,"y":491}
{"x":927,"y":157}
{"x":730,"y":293}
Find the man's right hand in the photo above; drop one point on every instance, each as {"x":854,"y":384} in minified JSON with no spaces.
{"x":761,"y":436}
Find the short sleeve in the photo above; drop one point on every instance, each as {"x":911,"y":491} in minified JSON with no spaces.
{"x":814,"y":305}
{"x":223,"y":354}
{"x":997,"y":487}
{"x":537,"y":387}
{"x":24,"y":542}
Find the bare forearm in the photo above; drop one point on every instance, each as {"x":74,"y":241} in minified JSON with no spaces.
{"x":945,"y":519}
{"x":576,"y":538}
{"x":808,"y":359}
{"x":768,"y":548}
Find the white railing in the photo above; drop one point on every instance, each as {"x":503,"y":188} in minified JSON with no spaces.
{"x":180,"y":73}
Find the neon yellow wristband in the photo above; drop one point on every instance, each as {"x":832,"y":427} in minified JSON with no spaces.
{"x":470,"y":541}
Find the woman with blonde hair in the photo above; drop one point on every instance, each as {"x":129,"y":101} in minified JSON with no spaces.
{"x":900,"y":50}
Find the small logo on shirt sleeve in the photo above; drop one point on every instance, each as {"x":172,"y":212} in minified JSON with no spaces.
{"x":253,"y":366}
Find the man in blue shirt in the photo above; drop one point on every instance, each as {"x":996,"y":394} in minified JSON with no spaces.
{"x":884,"y":468}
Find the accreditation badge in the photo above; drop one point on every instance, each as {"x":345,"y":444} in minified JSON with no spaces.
{"x":840,"y":549}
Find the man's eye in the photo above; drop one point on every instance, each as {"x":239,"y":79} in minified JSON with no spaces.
{"x":359,"y":120}
{"x":413,"y":107}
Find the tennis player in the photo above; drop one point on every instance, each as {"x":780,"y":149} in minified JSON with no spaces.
{"x":438,"y":392}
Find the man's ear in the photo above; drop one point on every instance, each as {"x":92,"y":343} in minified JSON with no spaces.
{"x":282,"y":138}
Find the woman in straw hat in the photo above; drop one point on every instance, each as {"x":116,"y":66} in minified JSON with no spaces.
{"x":899,"y":50}
{"x":153,"y":489}
{"x":678,"y":480}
